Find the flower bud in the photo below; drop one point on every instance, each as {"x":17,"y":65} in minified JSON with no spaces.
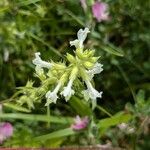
{"x":93,"y":59}
{"x":74,"y":73}
{"x":88,"y":64}
{"x":90,"y":53}
{"x":63,"y":78}
{"x":40,"y":73}
{"x":70,"y":58}
{"x":80,"y":54}
{"x":59,"y":66}
{"x":54,"y":72}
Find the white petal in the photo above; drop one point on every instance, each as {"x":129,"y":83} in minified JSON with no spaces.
{"x":68,"y":92}
{"x":39,"y":62}
{"x":82,"y":34}
{"x":74,"y":43}
{"x":92,"y":93}
{"x":52,"y":96}
{"x":95,"y":70}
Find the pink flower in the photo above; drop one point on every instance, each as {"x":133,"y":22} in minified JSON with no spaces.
{"x":80,"y":123}
{"x":100,"y":11}
{"x":6,"y":131}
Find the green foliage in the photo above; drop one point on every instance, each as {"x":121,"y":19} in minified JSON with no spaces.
{"x":116,"y":119}
{"x":28,"y":26}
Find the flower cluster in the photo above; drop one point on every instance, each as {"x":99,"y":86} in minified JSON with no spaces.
{"x":81,"y":68}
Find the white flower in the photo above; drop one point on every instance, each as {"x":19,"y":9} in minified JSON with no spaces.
{"x":6,"y":55}
{"x":91,"y":92}
{"x":81,"y":35}
{"x":52,"y":96}
{"x":95,"y":70}
{"x":39,"y":62}
{"x":68,"y":92}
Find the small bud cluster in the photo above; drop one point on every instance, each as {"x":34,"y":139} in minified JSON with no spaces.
{"x":61,"y":79}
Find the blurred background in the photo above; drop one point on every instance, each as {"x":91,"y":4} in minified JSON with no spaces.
{"x":122,"y":41}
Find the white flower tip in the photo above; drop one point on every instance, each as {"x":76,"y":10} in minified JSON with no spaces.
{"x":67,"y":93}
{"x":87,"y":30}
{"x":74,"y":43}
{"x":82,"y":34}
{"x":51,"y":97}
{"x":39,"y":62}
{"x":91,"y":92}
{"x":37,"y":54}
{"x":100,"y":94}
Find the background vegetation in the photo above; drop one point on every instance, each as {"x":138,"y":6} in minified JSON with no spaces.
{"x":27,"y":26}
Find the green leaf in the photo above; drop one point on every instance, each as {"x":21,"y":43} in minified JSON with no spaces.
{"x":114,"y":120}
{"x":80,"y":106}
{"x":16,"y":107}
{"x":43,"y":118}
{"x":27,"y":2}
{"x":104,"y":110}
{"x":112,"y":50}
{"x":118,"y":118}
{"x":56,"y":134}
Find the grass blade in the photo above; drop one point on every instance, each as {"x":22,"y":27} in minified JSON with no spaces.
{"x":56,"y":134}
{"x":35,"y":117}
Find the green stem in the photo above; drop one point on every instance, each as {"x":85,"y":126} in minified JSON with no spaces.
{"x":104,"y":110}
{"x":48,"y":116}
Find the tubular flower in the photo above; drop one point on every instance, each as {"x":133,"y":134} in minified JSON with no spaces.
{"x":68,"y":91}
{"x":100,"y":11}
{"x":81,"y":35}
{"x":97,"y":68}
{"x":52,"y":96}
{"x":39,"y":62}
{"x":79,"y":123}
{"x":91,"y":92}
